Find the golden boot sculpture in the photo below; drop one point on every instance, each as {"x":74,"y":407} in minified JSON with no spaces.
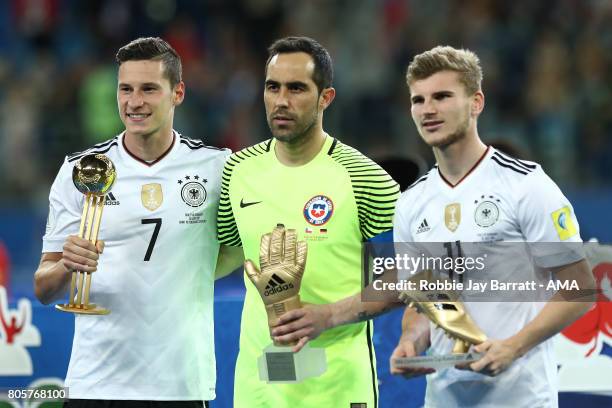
{"x":446,"y":311}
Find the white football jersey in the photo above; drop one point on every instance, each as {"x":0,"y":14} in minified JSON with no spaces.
{"x":156,"y":274}
{"x":502,"y":199}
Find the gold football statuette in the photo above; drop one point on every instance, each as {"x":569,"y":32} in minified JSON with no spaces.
{"x":93,"y":175}
{"x":445,"y":311}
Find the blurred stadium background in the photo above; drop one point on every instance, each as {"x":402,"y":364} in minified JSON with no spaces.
{"x":547,"y":64}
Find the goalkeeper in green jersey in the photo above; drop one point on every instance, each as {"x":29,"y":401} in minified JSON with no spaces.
{"x":334,"y":197}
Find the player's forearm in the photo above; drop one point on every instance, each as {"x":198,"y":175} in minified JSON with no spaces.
{"x":229,"y":259}
{"x":415,"y":328}
{"x":558,"y":313}
{"x":50,"y":281}
{"x":353,"y":310}
{"x":368,"y":304}
{"x":553,"y":318}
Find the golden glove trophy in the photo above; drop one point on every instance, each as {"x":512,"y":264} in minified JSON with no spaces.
{"x":93,"y":175}
{"x":446,"y":311}
{"x":282,"y":259}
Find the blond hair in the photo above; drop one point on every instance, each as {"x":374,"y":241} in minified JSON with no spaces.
{"x":446,"y":58}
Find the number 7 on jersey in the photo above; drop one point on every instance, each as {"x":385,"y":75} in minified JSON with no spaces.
{"x":158,"y":223}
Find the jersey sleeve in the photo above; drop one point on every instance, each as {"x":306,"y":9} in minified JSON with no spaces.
{"x":401,"y":226}
{"x":548,"y":222}
{"x":227,"y":229}
{"x":376,"y":194}
{"x":402,"y":236}
{"x":65,"y":208}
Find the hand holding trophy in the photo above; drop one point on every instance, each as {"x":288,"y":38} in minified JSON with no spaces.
{"x":93,"y":175}
{"x":446,"y":311}
{"x":282,"y":259}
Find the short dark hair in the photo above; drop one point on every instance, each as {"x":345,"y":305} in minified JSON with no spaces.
{"x":323,"y":74}
{"x":153,"y":48}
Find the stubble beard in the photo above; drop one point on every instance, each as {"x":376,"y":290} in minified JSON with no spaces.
{"x":454,"y":137}
{"x":300,"y":131}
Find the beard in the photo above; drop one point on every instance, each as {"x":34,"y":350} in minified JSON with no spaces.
{"x":301,"y":127}
{"x":453,"y":137}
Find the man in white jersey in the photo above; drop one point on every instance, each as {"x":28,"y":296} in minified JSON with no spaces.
{"x":155,"y":266}
{"x":474,"y":194}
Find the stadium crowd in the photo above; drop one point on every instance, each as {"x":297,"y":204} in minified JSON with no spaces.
{"x":548,"y":64}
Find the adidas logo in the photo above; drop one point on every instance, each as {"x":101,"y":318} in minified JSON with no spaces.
{"x":276,"y":285}
{"x":111,"y":200}
{"x":424,"y":227}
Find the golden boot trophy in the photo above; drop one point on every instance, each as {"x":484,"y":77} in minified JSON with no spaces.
{"x":446,"y":311}
{"x":282,"y":259}
{"x":93,"y":175}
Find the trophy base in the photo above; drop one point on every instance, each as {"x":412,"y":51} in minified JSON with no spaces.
{"x":436,"y":362}
{"x":90,"y":309}
{"x":278,"y":364}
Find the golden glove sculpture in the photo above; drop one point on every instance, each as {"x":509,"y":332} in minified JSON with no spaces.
{"x":282,"y":260}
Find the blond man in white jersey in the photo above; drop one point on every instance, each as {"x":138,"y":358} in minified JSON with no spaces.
{"x":517,"y":368}
{"x":446,"y":96}
{"x":155,"y":266}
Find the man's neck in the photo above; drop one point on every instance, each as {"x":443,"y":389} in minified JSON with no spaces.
{"x":150,"y":147}
{"x":301,"y":151}
{"x":457,"y":159}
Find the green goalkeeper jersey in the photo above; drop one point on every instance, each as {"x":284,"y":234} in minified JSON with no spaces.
{"x":335,"y":202}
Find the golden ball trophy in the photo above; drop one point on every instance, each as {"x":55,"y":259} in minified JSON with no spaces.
{"x":282,"y":259}
{"x":93,"y":175}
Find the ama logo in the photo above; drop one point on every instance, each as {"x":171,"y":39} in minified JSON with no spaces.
{"x":16,"y":333}
{"x":318,"y":210}
{"x":584,"y":349}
